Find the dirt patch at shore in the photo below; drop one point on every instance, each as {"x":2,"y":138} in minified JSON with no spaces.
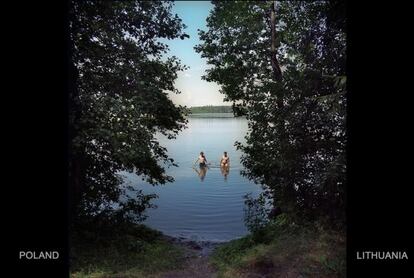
{"x":196,"y":256}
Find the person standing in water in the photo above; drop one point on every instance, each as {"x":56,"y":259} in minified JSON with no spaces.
{"x":225,"y":160}
{"x":203,"y":166}
{"x":225,"y":165}
{"x":202,"y":160}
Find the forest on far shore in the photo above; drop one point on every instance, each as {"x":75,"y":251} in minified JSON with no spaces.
{"x":211,"y":109}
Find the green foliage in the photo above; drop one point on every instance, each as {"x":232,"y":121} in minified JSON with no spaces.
{"x":256,"y":212}
{"x":130,"y":251}
{"x":211,"y":109}
{"x":297,"y":135}
{"x":118,"y":102}
{"x":284,"y":249}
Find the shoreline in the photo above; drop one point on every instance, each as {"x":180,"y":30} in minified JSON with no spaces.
{"x":202,"y":248}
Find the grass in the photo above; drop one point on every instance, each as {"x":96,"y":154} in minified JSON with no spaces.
{"x":136,"y":252}
{"x":281,"y":249}
{"x":284,"y":250}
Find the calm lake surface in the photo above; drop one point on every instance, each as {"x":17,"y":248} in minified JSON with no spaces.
{"x":209,"y":208}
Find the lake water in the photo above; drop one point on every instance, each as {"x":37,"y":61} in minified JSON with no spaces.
{"x":209,"y":207}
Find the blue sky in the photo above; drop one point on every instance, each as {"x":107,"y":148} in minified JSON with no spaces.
{"x":194,"y":91}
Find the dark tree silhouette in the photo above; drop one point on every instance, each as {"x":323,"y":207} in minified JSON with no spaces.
{"x":118,"y":101}
{"x":296,"y":143}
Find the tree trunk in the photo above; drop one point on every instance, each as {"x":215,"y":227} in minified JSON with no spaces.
{"x":277,"y":73}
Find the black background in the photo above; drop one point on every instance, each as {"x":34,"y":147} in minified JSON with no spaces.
{"x":378,"y":126}
{"x":34,"y":117}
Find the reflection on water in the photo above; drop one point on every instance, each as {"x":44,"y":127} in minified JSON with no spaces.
{"x":202,"y":171}
{"x":204,"y":203}
{"x":225,"y":171}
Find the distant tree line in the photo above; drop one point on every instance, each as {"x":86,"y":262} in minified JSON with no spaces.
{"x":211,"y":109}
